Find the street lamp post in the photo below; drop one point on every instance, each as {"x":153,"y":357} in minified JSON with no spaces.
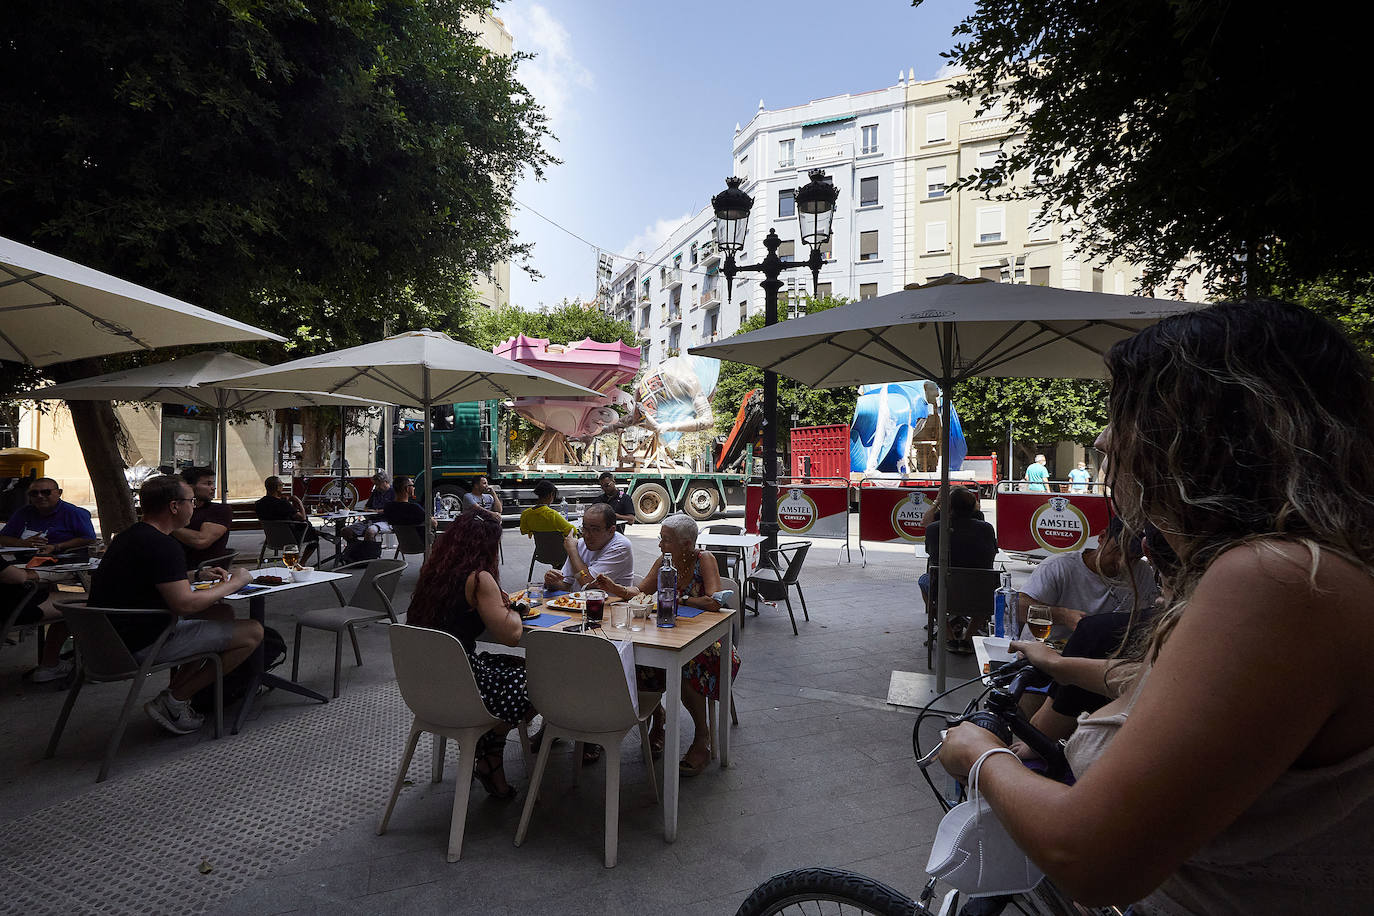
{"x":815,"y":205}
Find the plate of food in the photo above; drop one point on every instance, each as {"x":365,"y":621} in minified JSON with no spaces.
{"x":569,"y":602}
{"x":641,"y":600}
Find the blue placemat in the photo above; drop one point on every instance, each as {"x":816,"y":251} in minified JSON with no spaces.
{"x":684,"y":611}
{"x":549,"y":594}
{"x":545,"y":620}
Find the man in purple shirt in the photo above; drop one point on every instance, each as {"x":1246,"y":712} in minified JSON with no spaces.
{"x":48,"y":522}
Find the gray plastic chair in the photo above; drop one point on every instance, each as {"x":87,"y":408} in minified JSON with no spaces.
{"x":370,"y":601}
{"x":102,"y":657}
{"x":437,"y":684}
{"x":727,"y":560}
{"x":410,"y":540}
{"x":548,"y":549}
{"x":775,"y":580}
{"x":225,"y":561}
{"x":278,"y":535}
{"x":33,"y":593}
{"x":972,"y":593}
{"x":599,"y":711}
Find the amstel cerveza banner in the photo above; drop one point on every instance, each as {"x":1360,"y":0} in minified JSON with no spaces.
{"x":894,"y":513}
{"x":813,"y":511}
{"x":1040,"y":524}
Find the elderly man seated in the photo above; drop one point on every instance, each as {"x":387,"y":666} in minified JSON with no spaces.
{"x":48,"y":522}
{"x":601,"y":551}
{"x":145,"y":567}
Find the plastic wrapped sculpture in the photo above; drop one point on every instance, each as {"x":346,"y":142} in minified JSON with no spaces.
{"x":672,"y":399}
{"x":600,"y":366}
{"x":896,"y":430}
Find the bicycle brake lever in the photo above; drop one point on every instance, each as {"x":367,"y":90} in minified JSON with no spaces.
{"x":932,"y":754}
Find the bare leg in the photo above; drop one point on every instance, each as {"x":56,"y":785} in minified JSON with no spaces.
{"x":699,"y":751}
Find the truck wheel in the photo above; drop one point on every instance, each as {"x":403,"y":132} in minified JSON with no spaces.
{"x":452,"y":498}
{"x":702,"y":502}
{"x":651,"y":503}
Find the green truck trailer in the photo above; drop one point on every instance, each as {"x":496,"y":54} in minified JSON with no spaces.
{"x":467,"y":445}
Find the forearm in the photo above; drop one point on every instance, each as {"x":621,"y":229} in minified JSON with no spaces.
{"x":72,"y":544}
{"x":1088,"y":673}
{"x":7,"y":541}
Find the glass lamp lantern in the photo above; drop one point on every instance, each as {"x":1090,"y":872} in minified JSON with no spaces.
{"x":815,"y":209}
{"x":732,"y":207}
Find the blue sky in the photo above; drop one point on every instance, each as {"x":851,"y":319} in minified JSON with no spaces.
{"x":644,"y":101}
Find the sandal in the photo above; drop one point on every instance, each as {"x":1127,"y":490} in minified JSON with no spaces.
{"x":591,"y":753}
{"x":656,"y":745}
{"x":686,"y":768}
{"x":485,"y":772}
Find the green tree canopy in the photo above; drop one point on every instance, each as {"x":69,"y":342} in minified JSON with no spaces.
{"x":315,"y":167}
{"x":571,"y":320}
{"x":813,"y":407}
{"x":1175,"y":129}
{"x":1040,"y":411}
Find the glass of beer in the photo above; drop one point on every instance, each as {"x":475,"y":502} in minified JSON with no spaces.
{"x":1039,"y":621}
{"x":291,"y":556}
{"x":596,"y":607}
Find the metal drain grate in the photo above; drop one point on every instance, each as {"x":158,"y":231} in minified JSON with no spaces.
{"x":246,"y":804}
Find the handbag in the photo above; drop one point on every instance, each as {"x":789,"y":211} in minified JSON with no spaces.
{"x":973,"y":851}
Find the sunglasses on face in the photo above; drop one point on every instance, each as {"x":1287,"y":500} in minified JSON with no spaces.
{"x":46,"y":492}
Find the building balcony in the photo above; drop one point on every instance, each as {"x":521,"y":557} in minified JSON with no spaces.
{"x":674,"y":317}
{"x":674,"y":351}
{"x":710,"y":297}
{"x":670,"y":279}
{"x":709,"y":253}
{"x":986,"y":128}
{"x":830,"y":152}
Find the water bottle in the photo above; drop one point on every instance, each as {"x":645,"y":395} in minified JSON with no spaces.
{"x":667,"y":592}
{"x":1004,"y":613}
{"x":438,"y":507}
{"x":563,"y":508}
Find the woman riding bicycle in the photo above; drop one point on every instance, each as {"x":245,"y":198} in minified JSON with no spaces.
{"x":1237,"y":775}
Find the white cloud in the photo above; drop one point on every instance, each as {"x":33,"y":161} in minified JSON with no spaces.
{"x":555,"y":73}
{"x":652,"y":236}
{"x":947,"y":69}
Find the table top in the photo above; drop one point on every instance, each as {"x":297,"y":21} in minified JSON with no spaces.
{"x":262,"y":590}
{"x":346,"y":513}
{"x":675,"y":637}
{"x":729,"y":540}
{"x":992,"y":649}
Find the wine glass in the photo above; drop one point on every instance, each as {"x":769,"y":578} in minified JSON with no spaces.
{"x":291,"y":556}
{"x":1039,"y":621}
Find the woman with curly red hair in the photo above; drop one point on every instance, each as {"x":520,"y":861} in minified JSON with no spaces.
{"x":459,"y":592}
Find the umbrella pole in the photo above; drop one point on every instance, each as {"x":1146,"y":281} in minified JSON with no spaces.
{"x":222,"y":472}
{"x":429,"y":458}
{"x":946,"y":515}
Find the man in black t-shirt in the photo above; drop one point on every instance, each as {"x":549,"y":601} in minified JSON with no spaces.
{"x":145,"y":567}
{"x":404,"y":509}
{"x":206,"y":535}
{"x":276,"y":506}
{"x":972,"y":546}
{"x":620,"y":503}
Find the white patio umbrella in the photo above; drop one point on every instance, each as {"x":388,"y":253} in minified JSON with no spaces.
{"x":182,"y":381}
{"x":413,"y":369}
{"x":53,"y":310}
{"x":949,"y":330}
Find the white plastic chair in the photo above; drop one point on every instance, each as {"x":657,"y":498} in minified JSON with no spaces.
{"x":437,"y":683}
{"x":737,"y":602}
{"x":599,"y":711}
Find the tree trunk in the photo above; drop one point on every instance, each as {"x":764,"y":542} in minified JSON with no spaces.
{"x":97,"y":432}
{"x":312,"y":442}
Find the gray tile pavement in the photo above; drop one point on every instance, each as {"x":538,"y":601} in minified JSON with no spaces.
{"x":821,"y":773}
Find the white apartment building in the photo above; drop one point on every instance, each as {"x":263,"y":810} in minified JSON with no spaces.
{"x":674,"y":296}
{"x":860,"y":141}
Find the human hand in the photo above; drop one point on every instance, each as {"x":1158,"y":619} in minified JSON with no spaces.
{"x":239,"y":576}
{"x":1020,"y":749}
{"x":1039,"y":654}
{"x":553,"y":580}
{"x":45,"y":549}
{"x":212,"y":573}
{"x":964,"y":744}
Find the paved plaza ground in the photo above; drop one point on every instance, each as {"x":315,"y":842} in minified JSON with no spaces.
{"x":282,"y":817}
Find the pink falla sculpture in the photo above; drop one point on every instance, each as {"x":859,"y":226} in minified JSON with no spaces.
{"x":598,"y":366}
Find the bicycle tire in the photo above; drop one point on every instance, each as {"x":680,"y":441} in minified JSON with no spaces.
{"x":847,"y":891}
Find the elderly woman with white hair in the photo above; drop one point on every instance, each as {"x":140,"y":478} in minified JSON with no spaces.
{"x":698,"y":580}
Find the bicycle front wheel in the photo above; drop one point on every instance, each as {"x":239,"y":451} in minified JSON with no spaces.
{"x":826,"y":891}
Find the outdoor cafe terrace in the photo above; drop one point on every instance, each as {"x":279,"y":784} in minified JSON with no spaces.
{"x":282,"y":817}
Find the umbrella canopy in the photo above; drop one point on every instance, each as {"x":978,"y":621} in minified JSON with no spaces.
{"x":949,"y":330}
{"x":53,"y":310}
{"x":414,"y":369}
{"x":182,"y":381}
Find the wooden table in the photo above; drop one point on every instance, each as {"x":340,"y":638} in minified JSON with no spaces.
{"x":670,"y":648}
{"x":746,"y":545}
{"x":257,"y":609}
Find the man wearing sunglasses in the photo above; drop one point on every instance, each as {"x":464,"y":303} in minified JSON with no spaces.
{"x":48,"y":522}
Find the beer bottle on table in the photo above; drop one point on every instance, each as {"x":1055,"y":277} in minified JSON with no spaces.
{"x":667,"y":592}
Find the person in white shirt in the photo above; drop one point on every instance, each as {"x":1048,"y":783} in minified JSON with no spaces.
{"x":600,"y":551}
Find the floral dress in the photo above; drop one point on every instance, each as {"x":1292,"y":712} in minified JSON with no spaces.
{"x":702,"y":672}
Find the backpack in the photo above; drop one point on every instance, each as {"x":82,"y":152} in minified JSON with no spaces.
{"x":362,"y":550}
{"x":236,"y":681}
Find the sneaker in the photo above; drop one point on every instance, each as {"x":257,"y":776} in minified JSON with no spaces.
{"x":44,"y":674}
{"x":175,"y":715}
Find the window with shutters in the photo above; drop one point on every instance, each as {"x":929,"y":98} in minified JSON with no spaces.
{"x":991,"y":273}
{"x":991,"y":224}
{"x":868,"y":245}
{"x":788,"y":251}
{"x":868,"y":192}
{"x":868,"y":291}
{"x":787,"y":204}
{"x":936,"y":127}
{"x":935,"y":182}
{"x":936,"y":237}
{"x":1039,"y":276}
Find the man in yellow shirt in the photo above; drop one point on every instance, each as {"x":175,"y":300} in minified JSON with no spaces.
{"x":542,"y":516}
